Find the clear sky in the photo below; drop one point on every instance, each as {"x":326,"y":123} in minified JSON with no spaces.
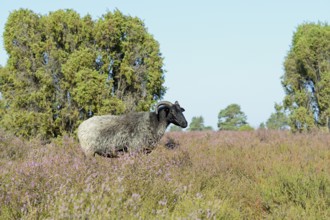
{"x":216,"y":52}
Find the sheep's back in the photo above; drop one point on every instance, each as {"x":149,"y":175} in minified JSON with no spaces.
{"x":109,"y":133}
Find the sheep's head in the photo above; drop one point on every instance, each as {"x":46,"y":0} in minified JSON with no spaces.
{"x":173,"y":113}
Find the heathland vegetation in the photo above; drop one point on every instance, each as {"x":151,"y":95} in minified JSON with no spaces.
{"x":208,"y":175}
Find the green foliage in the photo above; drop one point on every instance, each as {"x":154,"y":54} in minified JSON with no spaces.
{"x":278,"y":120}
{"x":302,"y":120}
{"x":307,"y":77}
{"x":208,"y":128}
{"x":63,"y":68}
{"x":231,"y":118}
{"x":246,"y":127}
{"x":297,"y":193}
{"x":227,"y":175}
{"x":262,"y":125}
{"x":175,"y":128}
{"x":197,"y":124}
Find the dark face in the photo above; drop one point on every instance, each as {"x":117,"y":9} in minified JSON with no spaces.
{"x":176,"y":116}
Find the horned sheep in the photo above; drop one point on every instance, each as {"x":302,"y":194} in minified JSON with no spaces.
{"x":108,"y":135}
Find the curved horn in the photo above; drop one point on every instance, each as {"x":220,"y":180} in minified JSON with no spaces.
{"x":166,"y":103}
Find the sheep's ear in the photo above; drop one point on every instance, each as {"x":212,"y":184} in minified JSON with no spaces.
{"x":182,"y":110}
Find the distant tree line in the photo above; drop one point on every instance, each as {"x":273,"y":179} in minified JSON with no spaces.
{"x":231,"y":118}
{"x":306,"y":81}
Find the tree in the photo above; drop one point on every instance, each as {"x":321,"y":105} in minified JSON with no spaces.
{"x":175,"y":128}
{"x":306,"y":79}
{"x":262,"y":126}
{"x":208,"y":128}
{"x":246,"y":127}
{"x":278,"y":120}
{"x":197,"y":124}
{"x":231,"y":118}
{"x":63,"y":68}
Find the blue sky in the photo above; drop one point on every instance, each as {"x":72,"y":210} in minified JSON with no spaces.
{"x":216,"y":52}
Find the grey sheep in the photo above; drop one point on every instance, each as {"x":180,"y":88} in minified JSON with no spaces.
{"x":108,"y":135}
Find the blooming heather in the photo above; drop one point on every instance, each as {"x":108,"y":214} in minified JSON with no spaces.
{"x":211,"y":175}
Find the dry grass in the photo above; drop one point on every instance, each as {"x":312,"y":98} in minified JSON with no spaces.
{"x":210,"y":175}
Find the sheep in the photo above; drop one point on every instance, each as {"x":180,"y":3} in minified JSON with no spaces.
{"x":110,"y":135}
